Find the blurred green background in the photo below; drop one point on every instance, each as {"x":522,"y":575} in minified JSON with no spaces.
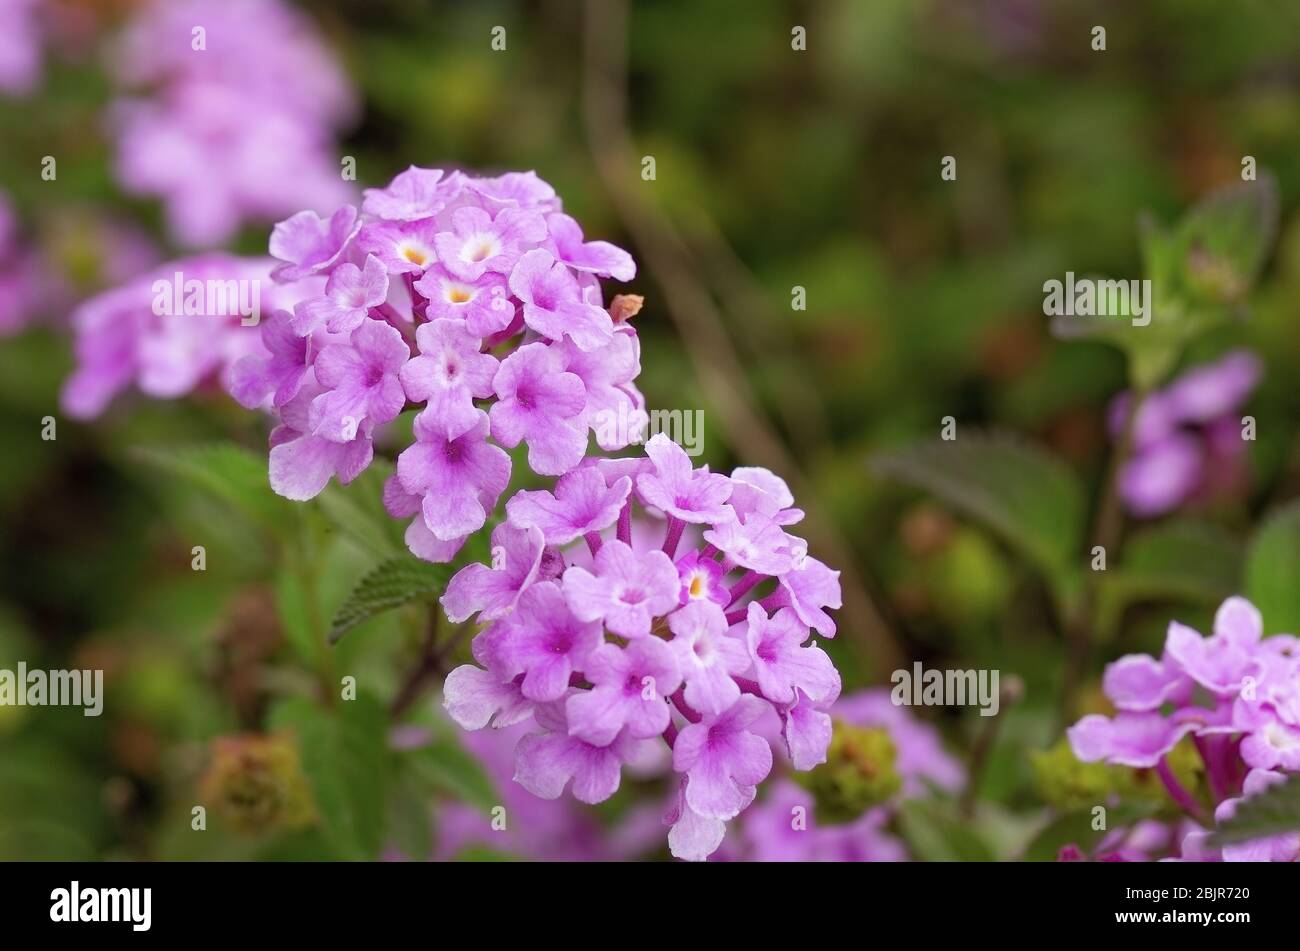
{"x":775,"y":168}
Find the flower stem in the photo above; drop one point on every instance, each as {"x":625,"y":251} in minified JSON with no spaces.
{"x":625,"y":523}
{"x":1176,"y":791}
{"x":742,"y":586}
{"x":675,"y":528}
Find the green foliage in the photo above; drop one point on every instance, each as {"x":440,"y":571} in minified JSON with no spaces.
{"x":346,"y":758}
{"x":934,"y":832}
{"x":232,"y":473}
{"x":1272,"y":567}
{"x":358,"y":511}
{"x":446,"y":767}
{"x":1181,"y":560}
{"x":1031,"y":499}
{"x":394,"y":583}
{"x":1275,"y":811}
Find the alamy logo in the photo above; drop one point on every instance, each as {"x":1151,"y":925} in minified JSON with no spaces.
{"x":633,"y":427}
{"x":1086,"y":297}
{"x":946,"y":688}
{"x":53,"y":688}
{"x":134,"y":905}
{"x":208,"y":298}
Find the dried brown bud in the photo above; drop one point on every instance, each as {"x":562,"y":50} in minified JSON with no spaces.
{"x":625,"y":306}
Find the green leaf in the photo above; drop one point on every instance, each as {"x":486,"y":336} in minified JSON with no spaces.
{"x":412,"y":820}
{"x":1221,"y":244}
{"x":1274,"y":811}
{"x":1030,"y":498}
{"x":1076,"y":828}
{"x":1184,"y":560}
{"x":227,"y":470}
{"x":935,"y":835}
{"x":293,"y":603}
{"x":358,"y":510}
{"x":346,"y":758}
{"x":1272,"y":567}
{"x":447,"y":767}
{"x":396,"y":582}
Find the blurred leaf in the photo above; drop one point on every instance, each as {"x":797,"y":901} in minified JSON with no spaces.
{"x":1275,"y":811}
{"x":358,"y":510}
{"x":396,"y":582}
{"x":934,"y":834}
{"x":293,"y":602}
{"x":1180,"y":560}
{"x":346,"y":758}
{"x":1272,"y":567}
{"x":1076,"y":828}
{"x":412,"y":820}
{"x":1223,"y":241}
{"x":229,"y":471}
{"x":1027,"y":496}
{"x":449,"y":768}
{"x":481,"y":853}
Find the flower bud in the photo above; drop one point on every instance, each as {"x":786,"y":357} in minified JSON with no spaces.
{"x":859,"y":773}
{"x":256,"y":784}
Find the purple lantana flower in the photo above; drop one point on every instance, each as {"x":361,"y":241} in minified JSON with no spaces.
{"x":1236,"y":693}
{"x":478,"y":242}
{"x":638,"y":647}
{"x":627,"y":591}
{"x":240,"y":130}
{"x":350,"y":293}
{"x":598,"y":257}
{"x":539,"y":403}
{"x":362,"y":382}
{"x":582,"y":503}
{"x":450,"y":372}
{"x":1187,"y":437}
{"x":377,"y":324}
{"x":457,"y":473}
{"x":554,"y":303}
{"x":309,"y":245}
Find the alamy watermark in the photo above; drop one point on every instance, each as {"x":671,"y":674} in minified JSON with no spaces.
{"x":53,"y":688}
{"x":133,"y":906}
{"x":632,"y":427}
{"x":946,"y":688}
{"x":1093,"y":297}
{"x":211,"y":297}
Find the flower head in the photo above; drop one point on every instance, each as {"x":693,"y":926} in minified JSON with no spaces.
{"x":623,"y":645}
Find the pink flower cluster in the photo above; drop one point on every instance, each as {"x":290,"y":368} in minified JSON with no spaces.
{"x":1187,"y":442}
{"x":122,"y":337}
{"x":475,"y":300}
{"x":237,"y":109}
{"x":608,"y":637}
{"x":768,"y":832}
{"x":1235,"y":693}
{"x":22,"y":277}
{"x":20,"y":46}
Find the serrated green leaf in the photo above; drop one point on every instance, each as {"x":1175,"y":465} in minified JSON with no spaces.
{"x":1027,"y":496}
{"x":346,"y":758}
{"x":1274,"y":811}
{"x":447,"y":767}
{"x":232,"y":473}
{"x":1272,"y":570}
{"x":396,"y":582}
